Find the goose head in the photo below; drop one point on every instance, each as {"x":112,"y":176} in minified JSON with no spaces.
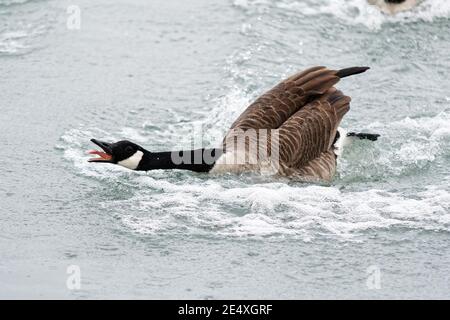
{"x":124,"y":153}
{"x":394,"y":6}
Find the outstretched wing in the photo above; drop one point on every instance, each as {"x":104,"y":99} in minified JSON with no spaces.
{"x":305,"y":110}
{"x":276,"y":106}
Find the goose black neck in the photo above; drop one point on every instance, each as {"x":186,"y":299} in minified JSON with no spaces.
{"x":199,"y":160}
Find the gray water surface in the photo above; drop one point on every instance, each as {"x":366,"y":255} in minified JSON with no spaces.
{"x":161,"y":73}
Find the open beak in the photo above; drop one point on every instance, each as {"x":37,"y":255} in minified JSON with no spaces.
{"x":105,"y":155}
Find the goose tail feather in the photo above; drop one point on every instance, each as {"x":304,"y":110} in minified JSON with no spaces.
{"x":364,"y":136}
{"x":351,"y":71}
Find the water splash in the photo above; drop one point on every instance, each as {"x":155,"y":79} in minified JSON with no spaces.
{"x":354,"y":12}
{"x":406,"y":146}
{"x":276,"y":209}
{"x":240,"y":206}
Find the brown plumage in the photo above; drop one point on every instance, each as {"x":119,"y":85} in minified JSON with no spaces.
{"x":304,"y":112}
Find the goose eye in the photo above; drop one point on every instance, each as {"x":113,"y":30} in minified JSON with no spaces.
{"x":129,"y":149}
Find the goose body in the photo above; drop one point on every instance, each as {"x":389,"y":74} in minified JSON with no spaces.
{"x":304,"y":112}
{"x":292,"y":130}
{"x":394,"y":6}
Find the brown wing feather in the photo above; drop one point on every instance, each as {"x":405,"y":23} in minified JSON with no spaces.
{"x":306,"y":138}
{"x":273,"y":108}
{"x":321,"y":168}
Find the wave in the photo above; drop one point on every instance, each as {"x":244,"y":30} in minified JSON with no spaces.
{"x":24,"y":24}
{"x":406,"y":147}
{"x":182,"y":203}
{"x":276,"y":210}
{"x":354,"y":12}
{"x":19,"y":41}
{"x":13,"y":2}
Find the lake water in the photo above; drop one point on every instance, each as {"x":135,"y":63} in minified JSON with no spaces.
{"x":162,"y":72}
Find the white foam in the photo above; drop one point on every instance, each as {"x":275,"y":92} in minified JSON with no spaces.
{"x":75,"y":144}
{"x":12,"y":42}
{"x":203,"y":132}
{"x":405,"y":146}
{"x":280,"y":210}
{"x":354,"y":11}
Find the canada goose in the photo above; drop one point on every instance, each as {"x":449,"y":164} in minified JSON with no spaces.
{"x":394,"y":6}
{"x":292,"y":130}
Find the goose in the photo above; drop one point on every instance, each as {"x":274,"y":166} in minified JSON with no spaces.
{"x":290,"y":131}
{"x":394,"y":6}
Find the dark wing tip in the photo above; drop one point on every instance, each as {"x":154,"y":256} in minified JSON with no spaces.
{"x":364,"y":136}
{"x":351,"y":71}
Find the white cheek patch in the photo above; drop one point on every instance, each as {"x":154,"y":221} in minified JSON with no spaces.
{"x":342,"y":142}
{"x":133,"y":161}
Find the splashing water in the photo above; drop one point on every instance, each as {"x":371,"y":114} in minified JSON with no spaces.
{"x":353,"y":11}
{"x":236,"y":206}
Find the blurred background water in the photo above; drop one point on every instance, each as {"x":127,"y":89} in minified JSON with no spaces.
{"x":161,"y":73}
